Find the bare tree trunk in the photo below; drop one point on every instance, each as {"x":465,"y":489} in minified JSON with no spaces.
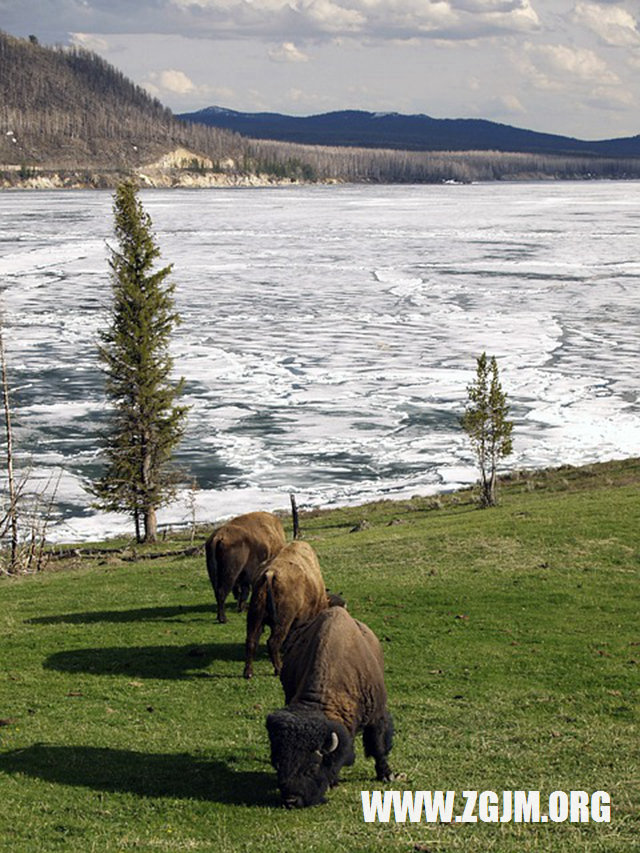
{"x":489,"y":487}
{"x":148,"y":510}
{"x":136,"y":519}
{"x":13,"y":509}
{"x":150,"y":525}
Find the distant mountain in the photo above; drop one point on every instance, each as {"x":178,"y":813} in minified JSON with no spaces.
{"x":357,"y":128}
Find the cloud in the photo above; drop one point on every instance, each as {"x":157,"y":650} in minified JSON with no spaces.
{"x":90,"y":42}
{"x":613,"y":25}
{"x":174,"y":82}
{"x":287,"y":52}
{"x":605,"y":98}
{"x":503,"y":105}
{"x":286,"y":20}
{"x":552,"y":66}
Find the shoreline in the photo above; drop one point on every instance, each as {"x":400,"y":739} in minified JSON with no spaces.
{"x":556,"y":478}
{"x":58,"y":180}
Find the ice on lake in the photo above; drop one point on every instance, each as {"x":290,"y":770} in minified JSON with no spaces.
{"x":328,"y":334}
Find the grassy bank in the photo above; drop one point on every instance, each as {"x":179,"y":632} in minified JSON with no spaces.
{"x":512,"y":647}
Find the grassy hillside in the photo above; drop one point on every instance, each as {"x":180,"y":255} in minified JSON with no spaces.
{"x":512,"y":647}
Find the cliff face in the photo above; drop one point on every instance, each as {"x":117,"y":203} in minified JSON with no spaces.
{"x":177,"y":168}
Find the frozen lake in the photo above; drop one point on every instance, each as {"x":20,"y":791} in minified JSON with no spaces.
{"x":329,"y":334}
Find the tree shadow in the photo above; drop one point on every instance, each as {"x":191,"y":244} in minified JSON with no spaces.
{"x":165,"y":662}
{"x":174,"y":775}
{"x":137,"y":615}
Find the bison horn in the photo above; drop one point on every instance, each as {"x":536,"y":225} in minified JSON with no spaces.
{"x":334,"y":742}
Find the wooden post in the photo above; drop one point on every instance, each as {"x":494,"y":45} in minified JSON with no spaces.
{"x":294,"y":516}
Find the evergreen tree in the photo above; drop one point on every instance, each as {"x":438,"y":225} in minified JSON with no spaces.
{"x":485,"y":422}
{"x":145,"y":422}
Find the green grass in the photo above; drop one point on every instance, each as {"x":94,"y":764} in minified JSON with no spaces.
{"x":512,"y":648}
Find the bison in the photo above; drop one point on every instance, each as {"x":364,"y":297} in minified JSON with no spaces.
{"x":290,"y":591}
{"x":333,"y":682}
{"x":237,"y":554}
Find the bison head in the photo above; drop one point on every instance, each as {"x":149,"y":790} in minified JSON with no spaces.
{"x":307,"y":751}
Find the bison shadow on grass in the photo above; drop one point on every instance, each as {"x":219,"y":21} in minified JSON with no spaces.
{"x":176,"y":775}
{"x":165,"y":662}
{"x":138,"y":614}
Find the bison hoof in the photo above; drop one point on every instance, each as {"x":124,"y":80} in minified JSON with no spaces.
{"x":393,"y":777}
{"x":248,"y":673}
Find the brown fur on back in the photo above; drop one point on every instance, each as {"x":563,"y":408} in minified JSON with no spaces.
{"x":290,"y":592}
{"x":242,"y":547}
{"x":334,"y":664}
{"x":252,"y":539}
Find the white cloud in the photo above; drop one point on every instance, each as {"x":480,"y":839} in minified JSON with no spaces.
{"x":330,"y":17}
{"x":287,"y":52}
{"x":174,"y":82}
{"x":551,"y":66}
{"x":613,"y":25}
{"x":286,"y":20}
{"x":89,"y":41}
{"x":514,"y":15}
{"x":605,"y":98}
{"x":503,"y":105}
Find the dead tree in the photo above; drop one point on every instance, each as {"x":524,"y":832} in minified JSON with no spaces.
{"x":12,"y":513}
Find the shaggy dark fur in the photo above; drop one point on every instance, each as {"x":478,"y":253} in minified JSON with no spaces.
{"x":333,"y":682}
{"x":306,"y":757}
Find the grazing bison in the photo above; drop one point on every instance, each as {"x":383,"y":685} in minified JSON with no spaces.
{"x":290,"y":591}
{"x":334,"y":687}
{"x":237,"y":553}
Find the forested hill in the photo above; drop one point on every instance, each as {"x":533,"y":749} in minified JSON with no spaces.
{"x":68,"y":118}
{"x":407,"y":132}
{"x":64,"y":107}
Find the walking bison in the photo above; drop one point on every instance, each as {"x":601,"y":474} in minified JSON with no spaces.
{"x":291,"y":591}
{"x":237,"y":554}
{"x":333,"y":682}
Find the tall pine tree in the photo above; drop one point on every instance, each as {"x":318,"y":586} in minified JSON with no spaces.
{"x":486,"y":424}
{"x":145,"y":422}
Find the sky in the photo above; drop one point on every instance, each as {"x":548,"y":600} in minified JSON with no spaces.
{"x":561,"y":66}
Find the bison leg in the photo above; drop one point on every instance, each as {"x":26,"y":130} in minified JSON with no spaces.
{"x":255,"y":626}
{"x":274,"y":644}
{"x":221,"y":597}
{"x":241,"y":592}
{"x":215,"y":570}
{"x":222,"y":616}
{"x":377,"y":739}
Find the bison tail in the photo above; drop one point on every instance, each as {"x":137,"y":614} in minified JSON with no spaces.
{"x":272,"y":610}
{"x":214,"y":553}
{"x":212,"y":563}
